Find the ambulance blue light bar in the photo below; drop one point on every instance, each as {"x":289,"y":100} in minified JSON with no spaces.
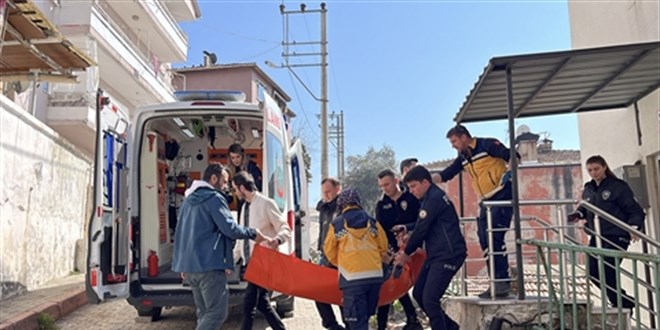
{"x":229,"y":96}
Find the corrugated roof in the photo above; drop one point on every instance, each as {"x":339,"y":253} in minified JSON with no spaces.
{"x":564,"y":82}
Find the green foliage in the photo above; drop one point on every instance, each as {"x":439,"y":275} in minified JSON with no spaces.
{"x":363,"y":172}
{"x":46,"y":321}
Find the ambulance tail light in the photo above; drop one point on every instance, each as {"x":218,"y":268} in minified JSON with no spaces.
{"x":291,"y":218}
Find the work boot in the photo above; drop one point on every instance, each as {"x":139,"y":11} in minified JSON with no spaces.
{"x":502,"y":290}
{"x":413,"y":324}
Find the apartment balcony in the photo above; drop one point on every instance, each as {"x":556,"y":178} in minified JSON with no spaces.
{"x":184,"y":10}
{"x":123,"y":72}
{"x":154,"y":26}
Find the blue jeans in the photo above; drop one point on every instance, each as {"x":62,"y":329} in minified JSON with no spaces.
{"x":501,"y":217}
{"x":360,"y":303}
{"x":211,"y":297}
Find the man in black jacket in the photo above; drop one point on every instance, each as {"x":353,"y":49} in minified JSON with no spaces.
{"x":437,"y":227}
{"x":396,"y":208}
{"x":327,"y":208}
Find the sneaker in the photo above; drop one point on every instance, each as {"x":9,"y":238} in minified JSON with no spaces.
{"x":502,"y":290}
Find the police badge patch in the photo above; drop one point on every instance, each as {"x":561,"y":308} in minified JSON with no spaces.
{"x":404,"y":205}
{"x":606,"y":194}
{"x":422,"y":214}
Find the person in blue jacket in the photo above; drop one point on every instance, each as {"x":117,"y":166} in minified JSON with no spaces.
{"x":615,"y":197}
{"x":203,"y":243}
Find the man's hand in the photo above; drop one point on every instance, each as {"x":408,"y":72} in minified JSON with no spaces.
{"x":387,"y":258}
{"x":183,"y":276}
{"x":401,"y":258}
{"x":260,"y":237}
{"x":273,"y":243}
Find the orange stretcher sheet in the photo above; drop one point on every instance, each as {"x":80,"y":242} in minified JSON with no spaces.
{"x":289,"y":275}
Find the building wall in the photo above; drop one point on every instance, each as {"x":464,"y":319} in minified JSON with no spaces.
{"x":39,"y":228}
{"x":597,"y":23}
{"x":536,"y":183}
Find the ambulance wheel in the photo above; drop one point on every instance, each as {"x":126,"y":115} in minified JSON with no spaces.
{"x":154,"y":313}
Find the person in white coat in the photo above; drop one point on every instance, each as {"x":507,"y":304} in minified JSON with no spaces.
{"x":263,"y":214}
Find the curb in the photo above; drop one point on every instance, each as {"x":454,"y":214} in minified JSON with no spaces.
{"x":59,"y":308}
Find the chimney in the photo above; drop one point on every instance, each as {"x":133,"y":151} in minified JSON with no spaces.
{"x":545,"y":146}
{"x":209,"y":59}
{"x":526,"y":144}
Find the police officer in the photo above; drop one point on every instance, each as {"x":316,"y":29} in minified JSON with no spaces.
{"x":438,"y":227}
{"x":396,"y":207}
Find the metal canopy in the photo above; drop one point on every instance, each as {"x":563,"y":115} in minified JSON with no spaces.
{"x":32,"y":44}
{"x":564,"y":82}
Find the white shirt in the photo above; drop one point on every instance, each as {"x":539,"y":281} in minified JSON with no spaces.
{"x":266,"y":216}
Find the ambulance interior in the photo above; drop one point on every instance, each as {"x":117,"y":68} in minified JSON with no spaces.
{"x":174,"y":152}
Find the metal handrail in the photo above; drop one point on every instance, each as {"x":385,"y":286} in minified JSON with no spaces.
{"x":619,"y":223}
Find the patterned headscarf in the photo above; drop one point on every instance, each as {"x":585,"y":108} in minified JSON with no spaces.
{"x":348,"y":196}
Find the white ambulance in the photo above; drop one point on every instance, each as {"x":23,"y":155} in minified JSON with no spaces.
{"x":142,"y":170}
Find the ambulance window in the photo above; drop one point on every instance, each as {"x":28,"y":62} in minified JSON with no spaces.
{"x":275,"y":176}
{"x":295,"y":172}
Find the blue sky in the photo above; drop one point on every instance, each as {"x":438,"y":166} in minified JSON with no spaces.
{"x":399,"y":70}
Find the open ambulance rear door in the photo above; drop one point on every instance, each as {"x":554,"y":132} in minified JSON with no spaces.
{"x":300,"y":198}
{"x":108,"y":233}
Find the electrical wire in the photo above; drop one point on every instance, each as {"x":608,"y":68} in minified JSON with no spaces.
{"x":260,"y":53}
{"x":302,"y":108}
{"x":238,"y":35}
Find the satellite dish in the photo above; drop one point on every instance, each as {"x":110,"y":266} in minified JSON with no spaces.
{"x":522,"y":129}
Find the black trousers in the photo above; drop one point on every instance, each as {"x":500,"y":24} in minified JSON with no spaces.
{"x":256,"y":296}
{"x":408,"y":307}
{"x":431,"y":285}
{"x":328,"y":319}
{"x":610,"y":271}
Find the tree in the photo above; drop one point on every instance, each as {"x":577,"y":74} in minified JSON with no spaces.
{"x":363,"y":172}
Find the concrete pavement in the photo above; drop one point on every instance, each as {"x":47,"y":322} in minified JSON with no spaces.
{"x":58,"y":298}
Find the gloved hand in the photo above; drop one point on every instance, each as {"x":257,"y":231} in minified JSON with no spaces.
{"x":506,"y":178}
{"x":573,"y":217}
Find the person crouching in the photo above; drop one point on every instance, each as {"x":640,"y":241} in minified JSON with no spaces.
{"x":357,"y":245}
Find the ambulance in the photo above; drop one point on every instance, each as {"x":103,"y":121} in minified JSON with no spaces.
{"x":143,"y":166}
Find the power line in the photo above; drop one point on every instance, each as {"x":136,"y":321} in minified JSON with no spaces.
{"x":238,"y":35}
{"x":261,"y":53}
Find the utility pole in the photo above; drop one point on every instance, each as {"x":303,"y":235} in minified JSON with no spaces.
{"x":286,"y":54}
{"x":336,"y":134}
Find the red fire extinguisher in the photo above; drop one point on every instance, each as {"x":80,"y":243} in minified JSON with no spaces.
{"x":152,"y":262}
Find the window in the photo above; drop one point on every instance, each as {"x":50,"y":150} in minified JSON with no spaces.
{"x":261,"y":91}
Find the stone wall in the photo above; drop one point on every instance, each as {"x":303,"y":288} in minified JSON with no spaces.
{"x":44,"y":201}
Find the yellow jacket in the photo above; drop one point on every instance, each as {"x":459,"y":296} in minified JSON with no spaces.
{"x":356,"y":244}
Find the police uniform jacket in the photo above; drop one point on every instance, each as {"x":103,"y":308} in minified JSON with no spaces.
{"x":615,"y":197}
{"x":437,"y":226}
{"x":486,"y":161}
{"x":390,"y":213}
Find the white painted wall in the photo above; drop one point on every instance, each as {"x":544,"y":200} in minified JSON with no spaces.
{"x":613,"y":134}
{"x":43,"y":200}
{"x":603,"y":23}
